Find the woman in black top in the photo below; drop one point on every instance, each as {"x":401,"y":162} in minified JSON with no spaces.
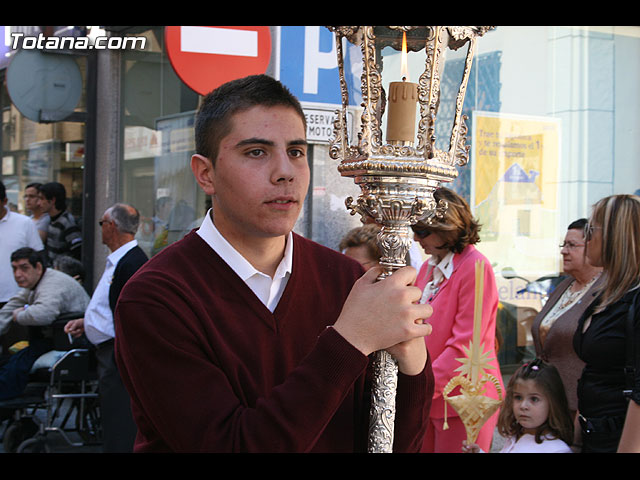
{"x":609,"y":393}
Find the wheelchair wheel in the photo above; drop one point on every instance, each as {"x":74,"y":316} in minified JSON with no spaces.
{"x":34,"y":445}
{"x":18,"y":432}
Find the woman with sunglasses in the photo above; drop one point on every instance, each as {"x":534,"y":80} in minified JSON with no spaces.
{"x":447,"y":279}
{"x":553,"y":328}
{"x":608,"y":335}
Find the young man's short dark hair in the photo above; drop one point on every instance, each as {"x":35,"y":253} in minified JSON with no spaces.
{"x":212,"y":121}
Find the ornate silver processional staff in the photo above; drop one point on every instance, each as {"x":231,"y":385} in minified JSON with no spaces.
{"x":397,"y":178}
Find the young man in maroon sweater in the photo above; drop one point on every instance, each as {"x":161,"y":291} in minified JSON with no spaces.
{"x":246,"y":337}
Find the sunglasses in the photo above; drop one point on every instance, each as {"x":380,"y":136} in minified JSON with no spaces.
{"x":588,"y":231}
{"x":421,"y":232}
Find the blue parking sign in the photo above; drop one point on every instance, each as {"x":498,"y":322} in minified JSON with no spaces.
{"x":308,"y":63}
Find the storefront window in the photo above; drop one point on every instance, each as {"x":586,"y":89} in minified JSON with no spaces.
{"x":553,"y":127}
{"x":158,"y":114}
{"x":35,"y":151}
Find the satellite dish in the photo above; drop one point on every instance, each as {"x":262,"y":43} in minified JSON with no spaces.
{"x":44,"y":87}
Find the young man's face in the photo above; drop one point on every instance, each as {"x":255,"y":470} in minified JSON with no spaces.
{"x":261,"y":175}
{"x":45,"y":204}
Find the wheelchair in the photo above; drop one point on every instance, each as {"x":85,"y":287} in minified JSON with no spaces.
{"x":61,"y":397}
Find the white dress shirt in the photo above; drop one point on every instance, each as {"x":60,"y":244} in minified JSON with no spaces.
{"x":16,"y":231}
{"x":268,"y":290}
{"x":441,"y":269}
{"x":98,"y":318}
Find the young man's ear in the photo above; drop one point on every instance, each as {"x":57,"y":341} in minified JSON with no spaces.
{"x":203,"y":170}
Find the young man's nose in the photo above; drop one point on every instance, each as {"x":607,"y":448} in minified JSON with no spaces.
{"x":283,"y":170}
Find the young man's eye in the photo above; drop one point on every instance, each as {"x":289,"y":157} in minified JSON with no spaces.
{"x":297,"y":153}
{"x":256,"y":152}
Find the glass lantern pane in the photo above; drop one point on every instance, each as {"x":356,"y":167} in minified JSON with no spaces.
{"x":398,"y":63}
{"x":352,"y":77}
{"x":451,"y":77}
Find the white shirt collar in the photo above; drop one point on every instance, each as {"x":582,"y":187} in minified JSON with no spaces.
{"x":114,"y":257}
{"x":98,"y":318}
{"x":444,"y":266}
{"x":268,"y":290}
{"x":441,"y":269}
{"x":6,"y":215}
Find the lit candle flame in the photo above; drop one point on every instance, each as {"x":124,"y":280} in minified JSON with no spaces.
{"x":404,"y":69}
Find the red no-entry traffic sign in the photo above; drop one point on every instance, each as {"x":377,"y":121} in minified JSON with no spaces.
{"x":206,"y":57}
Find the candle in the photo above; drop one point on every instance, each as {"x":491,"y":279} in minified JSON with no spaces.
{"x":401,"y":122}
{"x":402,"y":103}
{"x":477,"y":320}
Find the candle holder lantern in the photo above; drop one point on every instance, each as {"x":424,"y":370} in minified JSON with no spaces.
{"x":397,"y":176}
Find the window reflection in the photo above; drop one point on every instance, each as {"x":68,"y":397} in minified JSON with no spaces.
{"x":158,"y":117}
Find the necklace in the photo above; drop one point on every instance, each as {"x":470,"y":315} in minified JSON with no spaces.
{"x":570,"y":297}
{"x":566,"y":301}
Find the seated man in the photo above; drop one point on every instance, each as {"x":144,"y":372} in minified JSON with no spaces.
{"x":44,"y":295}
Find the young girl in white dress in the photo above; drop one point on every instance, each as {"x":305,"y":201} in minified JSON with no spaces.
{"x":534,"y":417}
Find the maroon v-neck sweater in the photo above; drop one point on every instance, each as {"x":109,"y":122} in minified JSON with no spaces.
{"x":210,"y":368}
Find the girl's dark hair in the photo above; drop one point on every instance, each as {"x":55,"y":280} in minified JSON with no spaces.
{"x":559,"y":422}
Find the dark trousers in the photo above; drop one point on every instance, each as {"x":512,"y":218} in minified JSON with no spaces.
{"x":118,"y":428}
{"x":601,"y":442}
{"x":601,"y":435}
{"x":14,"y":373}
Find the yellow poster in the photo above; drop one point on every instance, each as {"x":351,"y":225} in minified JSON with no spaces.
{"x":515,"y":162}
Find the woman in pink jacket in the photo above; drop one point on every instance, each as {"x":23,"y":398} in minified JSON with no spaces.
{"x":448,"y":283}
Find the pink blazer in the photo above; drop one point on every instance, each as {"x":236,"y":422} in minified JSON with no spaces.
{"x":452,"y":321}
